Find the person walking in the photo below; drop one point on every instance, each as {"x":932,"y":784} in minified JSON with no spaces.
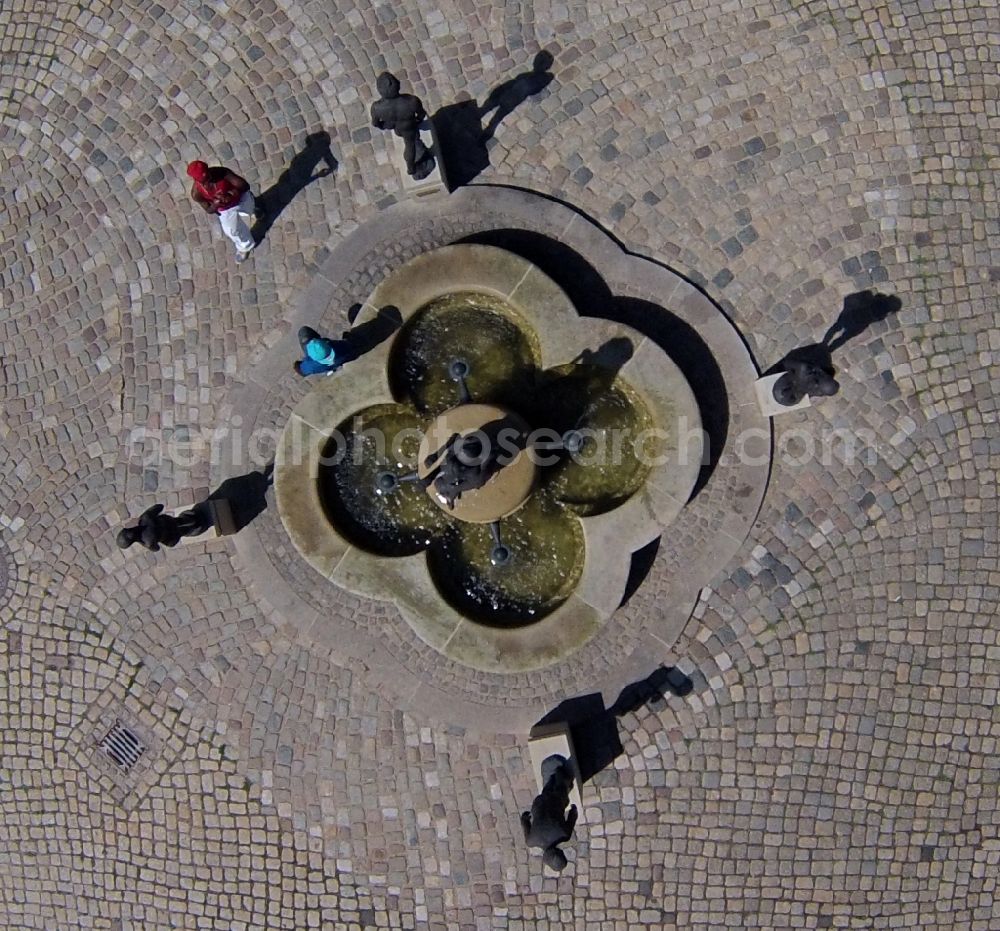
{"x":221,"y":191}
{"x":322,"y":356}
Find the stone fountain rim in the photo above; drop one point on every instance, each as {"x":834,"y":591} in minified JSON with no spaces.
{"x":641,"y":635}
{"x":610,"y":538}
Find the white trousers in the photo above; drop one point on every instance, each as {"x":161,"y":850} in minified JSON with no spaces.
{"x":234,"y":224}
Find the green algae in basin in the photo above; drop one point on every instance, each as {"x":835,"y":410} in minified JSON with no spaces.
{"x":547,"y":553}
{"x":478,"y":328}
{"x":380,"y":439}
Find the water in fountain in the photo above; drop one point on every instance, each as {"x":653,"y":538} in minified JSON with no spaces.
{"x":393,"y":518}
{"x":478,"y":329}
{"x":546,"y":549}
{"x":540,"y":559}
{"x":610,"y":465}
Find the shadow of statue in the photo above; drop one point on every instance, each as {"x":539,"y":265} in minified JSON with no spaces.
{"x":459,"y":135}
{"x":506,"y":97}
{"x":860,"y":311}
{"x":652,"y":691}
{"x":458,"y":143}
{"x":246,"y":494}
{"x":299,"y":174}
{"x":559,"y":399}
{"x":366,"y":336}
{"x":506,"y":435}
{"x":564,"y":395}
{"x":609,"y":357}
{"x":594,"y":728}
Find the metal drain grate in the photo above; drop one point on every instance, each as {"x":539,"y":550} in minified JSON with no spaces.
{"x":122,"y":746}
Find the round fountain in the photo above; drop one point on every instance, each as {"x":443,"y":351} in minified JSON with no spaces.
{"x":492,"y":467}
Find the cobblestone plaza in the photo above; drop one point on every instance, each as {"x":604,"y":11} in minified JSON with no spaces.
{"x":835,"y":764}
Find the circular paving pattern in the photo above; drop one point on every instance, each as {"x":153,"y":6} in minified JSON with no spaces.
{"x":834,"y":764}
{"x":702,"y":538}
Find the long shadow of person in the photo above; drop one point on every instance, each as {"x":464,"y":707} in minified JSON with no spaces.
{"x":300,"y":173}
{"x":506,"y":97}
{"x":459,"y":136}
{"x":860,"y":311}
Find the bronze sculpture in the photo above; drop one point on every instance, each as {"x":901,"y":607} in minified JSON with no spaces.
{"x":403,"y":114}
{"x":802,"y":378}
{"x":548,"y":825}
{"x":155,"y":529}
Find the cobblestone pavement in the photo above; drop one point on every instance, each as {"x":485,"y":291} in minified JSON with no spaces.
{"x":835,"y":765}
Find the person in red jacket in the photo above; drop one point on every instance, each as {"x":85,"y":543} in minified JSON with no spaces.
{"x":221,"y":191}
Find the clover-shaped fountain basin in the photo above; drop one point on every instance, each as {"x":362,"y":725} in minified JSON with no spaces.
{"x":583,"y":442}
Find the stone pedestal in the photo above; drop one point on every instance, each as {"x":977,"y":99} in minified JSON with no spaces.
{"x":223,"y":524}
{"x":764,"y":389}
{"x":434,"y":183}
{"x":221,"y":512}
{"x":546,"y":740}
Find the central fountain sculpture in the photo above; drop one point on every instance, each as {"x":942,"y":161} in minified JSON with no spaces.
{"x":493,"y":467}
{"x":498,"y":452}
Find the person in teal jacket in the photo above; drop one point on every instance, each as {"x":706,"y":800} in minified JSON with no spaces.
{"x":322,"y":356}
